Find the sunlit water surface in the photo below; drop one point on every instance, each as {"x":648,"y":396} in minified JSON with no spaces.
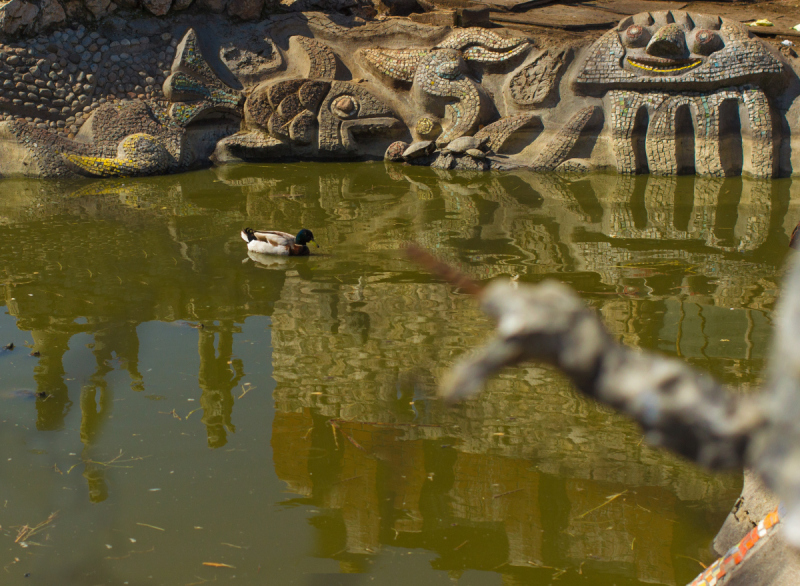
{"x":277,"y":418}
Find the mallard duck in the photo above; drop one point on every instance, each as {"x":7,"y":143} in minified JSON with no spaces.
{"x":278,"y":243}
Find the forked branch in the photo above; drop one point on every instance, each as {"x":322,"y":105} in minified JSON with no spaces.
{"x":678,"y":407}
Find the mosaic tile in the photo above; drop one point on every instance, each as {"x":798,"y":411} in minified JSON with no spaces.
{"x":442,"y":72}
{"x":322,"y":61}
{"x":733,"y":58}
{"x":536,"y":82}
{"x":716,"y":572}
{"x":560,"y":146}
{"x":661,"y":138}
{"x":497,"y":133}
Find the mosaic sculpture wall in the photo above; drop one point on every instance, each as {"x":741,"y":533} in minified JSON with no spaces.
{"x":664,"y":92}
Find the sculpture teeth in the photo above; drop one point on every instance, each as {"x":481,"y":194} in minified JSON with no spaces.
{"x":665,"y":66}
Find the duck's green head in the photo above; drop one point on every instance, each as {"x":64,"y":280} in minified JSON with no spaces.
{"x":304,"y":237}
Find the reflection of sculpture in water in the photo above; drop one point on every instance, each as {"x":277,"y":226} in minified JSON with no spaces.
{"x":113,"y":342}
{"x":96,"y":399}
{"x":96,"y":403}
{"x":414,"y":486}
{"x":49,"y":376}
{"x":219,"y":374}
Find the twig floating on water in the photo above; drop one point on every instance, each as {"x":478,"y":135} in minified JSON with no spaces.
{"x":497,"y":496}
{"x":337,"y":427}
{"x":611,"y":498}
{"x":151,"y":526}
{"x":347,"y":479}
{"x":246,"y":388}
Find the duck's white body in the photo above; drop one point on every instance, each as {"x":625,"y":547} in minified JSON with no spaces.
{"x":274,"y":243}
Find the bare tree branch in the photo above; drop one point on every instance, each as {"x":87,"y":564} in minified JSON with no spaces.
{"x":677,"y":407}
{"x":775,"y":451}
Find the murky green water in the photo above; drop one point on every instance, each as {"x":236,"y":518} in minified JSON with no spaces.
{"x":296,"y":437}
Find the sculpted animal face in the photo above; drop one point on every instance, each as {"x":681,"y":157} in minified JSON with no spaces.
{"x":349,"y":112}
{"x":669,"y":48}
{"x":336,"y":113}
{"x":677,"y":50}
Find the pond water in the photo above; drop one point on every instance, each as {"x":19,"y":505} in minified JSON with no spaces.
{"x":277,"y":418}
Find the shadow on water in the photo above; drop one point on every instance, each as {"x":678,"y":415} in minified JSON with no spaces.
{"x":153,"y":324}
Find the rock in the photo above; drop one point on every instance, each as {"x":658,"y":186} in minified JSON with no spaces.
{"x":215,"y":6}
{"x":17,"y":15}
{"x":245,"y":9}
{"x":52,"y":13}
{"x":463,"y":143}
{"x":470,"y":164}
{"x":181,"y":4}
{"x":755,"y":503}
{"x":98,"y":8}
{"x":444,"y":161}
{"x":435,"y":18}
{"x":473,"y":16}
{"x":398,"y":7}
{"x":574,"y":166}
{"x":157,"y":7}
{"x":418,"y":149}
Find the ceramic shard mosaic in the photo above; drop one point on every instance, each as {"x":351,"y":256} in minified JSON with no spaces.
{"x":499,"y":132}
{"x":725,"y":565}
{"x":399,"y":64}
{"x":621,"y":57}
{"x":139,"y":154}
{"x":195,"y":87}
{"x":322,"y":61}
{"x":558,"y":149}
{"x":442,"y":73}
{"x":536,"y":82}
{"x":668,"y":92}
{"x":661,"y":136}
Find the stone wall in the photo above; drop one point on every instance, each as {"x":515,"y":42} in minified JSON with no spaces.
{"x":664,"y":92}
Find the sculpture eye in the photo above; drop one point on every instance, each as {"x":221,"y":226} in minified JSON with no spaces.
{"x":706,"y":42}
{"x":449,"y":69}
{"x":345,"y":106}
{"x":635,"y":36}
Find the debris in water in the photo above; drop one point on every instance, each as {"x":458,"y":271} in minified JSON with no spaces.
{"x":246,"y":388}
{"x":151,"y":526}
{"x":611,"y":498}
{"x":26,"y":532}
